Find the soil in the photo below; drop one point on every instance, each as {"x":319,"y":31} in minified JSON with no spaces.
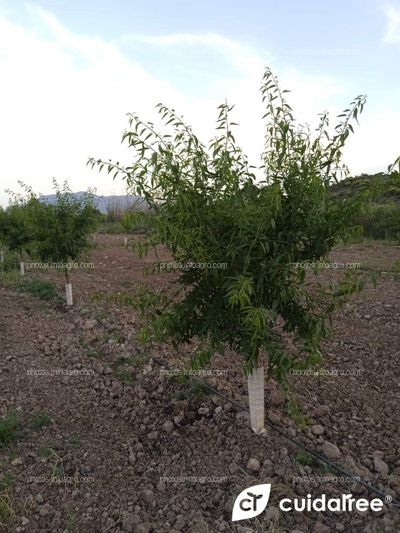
{"x":109,"y":442}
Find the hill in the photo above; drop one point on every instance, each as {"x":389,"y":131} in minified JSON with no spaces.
{"x":105,"y":204}
{"x":389,"y":186}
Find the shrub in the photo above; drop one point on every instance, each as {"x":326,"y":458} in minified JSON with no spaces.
{"x":381,"y":221}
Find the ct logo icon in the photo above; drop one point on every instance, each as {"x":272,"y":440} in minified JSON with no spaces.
{"x":251,"y":502}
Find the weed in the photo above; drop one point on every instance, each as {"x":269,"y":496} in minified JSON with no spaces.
{"x":305,"y":459}
{"x":11,"y":261}
{"x":123,"y":375}
{"x":90,"y":350}
{"x":113,"y":228}
{"x":396,"y":266}
{"x":9,"y":428}
{"x":6,"y":482}
{"x":113,"y":338}
{"x":6,"y":510}
{"x":73,"y":441}
{"x":72,"y":521}
{"x":191,"y":389}
{"x":40,"y":420}
{"x":133,"y":360}
{"x":296,"y":414}
{"x":48,"y":451}
{"x":45,"y":290}
{"x":94,"y":353}
{"x":10,"y":278}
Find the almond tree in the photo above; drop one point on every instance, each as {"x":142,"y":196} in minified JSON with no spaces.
{"x":64,"y":230}
{"x":209,"y":207}
{"x":134,"y":219}
{"x":3,"y":216}
{"x":128,"y":225}
{"x":17,"y":227}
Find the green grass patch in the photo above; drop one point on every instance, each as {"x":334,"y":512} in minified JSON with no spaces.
{"x":190,"y":389}
{"x":72,"y":521}
{"x":305,"y":459}
{"x":123,"y":375}
{"x":10,"y":278}
{"x":396,"y":266}
{"x":45,"y":290}
{"x":40,"y":420}
{"x":48,"y":451}
{"x":9,"y":429}
{"x":95,"y":354}
{"x":133,"y":360}
{"x":73,"y":441}
{"x":11,"y":261}
{"x":115,"y":337}
{"x":6,"y":510}
{"x":7,"y":483}
{"x":113,"y":228}
{"x":90,"y":350}
{"x":381,"y":221}
{"x":295,"y":412}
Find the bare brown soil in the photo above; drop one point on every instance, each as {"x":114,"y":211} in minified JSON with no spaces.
{"x":126,"y":448}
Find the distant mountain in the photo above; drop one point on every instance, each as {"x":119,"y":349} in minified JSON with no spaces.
{"x":105,"y":203}
{"x":389,"y":186}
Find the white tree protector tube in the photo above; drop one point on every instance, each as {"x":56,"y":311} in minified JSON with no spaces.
{"x":68,"y":292}
{"x":255,"y":384}
{"x":22,"y":268}
{"x":126,"y":242}
{"x":1,"y":257}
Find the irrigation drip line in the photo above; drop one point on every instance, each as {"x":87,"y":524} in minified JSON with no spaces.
{"x":316,"y":455}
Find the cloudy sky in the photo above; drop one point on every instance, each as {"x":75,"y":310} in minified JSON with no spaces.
{"x":70,"y":70}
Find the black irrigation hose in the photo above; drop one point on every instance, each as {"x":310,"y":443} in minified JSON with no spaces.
{"x":316,"y":455}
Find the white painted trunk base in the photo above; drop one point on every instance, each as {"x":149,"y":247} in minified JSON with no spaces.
{"x":68,"y":292}
{"x":255,"y":384}
{"x":126,"y":242}
{"x":22,"y":268}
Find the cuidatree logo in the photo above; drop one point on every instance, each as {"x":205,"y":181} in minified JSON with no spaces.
{"x":252,"y":501}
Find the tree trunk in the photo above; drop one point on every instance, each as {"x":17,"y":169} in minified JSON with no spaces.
{"x":68,"y":288}
{"x":255,"y":384}
{"x":68,"y":292}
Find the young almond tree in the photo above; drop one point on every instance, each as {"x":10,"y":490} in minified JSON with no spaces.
{"x":3,"y":218}
{"x":128,"y":225}
{"x":209,"y":207}
{"x":64,"y":231}
{"x":17,"y":227}
{"x":134,"y":219}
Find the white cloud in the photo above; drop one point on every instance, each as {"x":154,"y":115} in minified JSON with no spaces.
{"x":65,"y":98}
{"x":392,"y":35}
{"x":375,"y":143}
{"x":244,"y":57}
